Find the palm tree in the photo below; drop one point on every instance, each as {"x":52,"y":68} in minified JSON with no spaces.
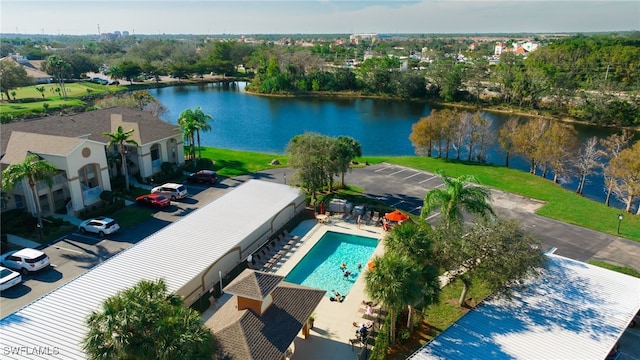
{"x":202,"y":121}
{"x":457,"y":196}
{"x":56,"y":65}
{"x":188,"y":125}
{"x":120,"y":138}
{"x":414,"y":241}
{"x":395,"y":282}
{"x":147,"y":322}
{"x":33,"y":169}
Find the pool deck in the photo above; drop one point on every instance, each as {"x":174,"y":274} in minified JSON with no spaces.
{"x":333,"y":326}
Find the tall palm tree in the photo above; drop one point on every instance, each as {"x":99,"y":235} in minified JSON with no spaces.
{"x":395,"y":281}
{"x":458,"y":195}
{"x":56,"y":65}
{"x":147,"y":322}
{"x":188,"y":125}
{"x":414,"y":241}
{"x":203,"y":125}
{"x":120,"y":138}
{"x":33,"y":169}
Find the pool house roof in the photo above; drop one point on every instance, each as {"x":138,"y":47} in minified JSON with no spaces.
{"x":242,"y":333}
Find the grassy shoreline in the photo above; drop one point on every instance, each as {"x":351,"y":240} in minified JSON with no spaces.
{"x":560,"y":204}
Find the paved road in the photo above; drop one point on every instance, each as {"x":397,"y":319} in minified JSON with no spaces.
{"x":405,"y":189}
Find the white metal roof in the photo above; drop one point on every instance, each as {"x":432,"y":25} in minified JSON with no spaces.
{"x":55,"y":324}
{"x":574,"y":311}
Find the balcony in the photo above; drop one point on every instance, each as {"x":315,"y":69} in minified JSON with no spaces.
{"x":91,"y":195}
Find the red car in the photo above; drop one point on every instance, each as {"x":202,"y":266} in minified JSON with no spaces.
{"x":153,"y":200}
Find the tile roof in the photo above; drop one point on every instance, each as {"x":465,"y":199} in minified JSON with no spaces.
{"x":92,"y":124}
{"x":573,"y":311}
{"x":253,"y":284}
{"x":245,"y":335}
{"x":21,"y":143}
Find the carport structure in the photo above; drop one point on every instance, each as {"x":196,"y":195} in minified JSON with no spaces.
{"x":189,"y":254}
{"x":573,"y":311}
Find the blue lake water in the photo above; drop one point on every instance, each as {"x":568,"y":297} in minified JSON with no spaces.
{"x":266,"y":124}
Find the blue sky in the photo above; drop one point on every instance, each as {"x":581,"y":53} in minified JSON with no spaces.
{"x":312,"y":17}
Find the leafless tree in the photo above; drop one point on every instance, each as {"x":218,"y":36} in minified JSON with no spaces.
{"x":588,"y":161}
{"x":625,"y":169}
{"x":613,"y":145}
{"x":505,"y":137}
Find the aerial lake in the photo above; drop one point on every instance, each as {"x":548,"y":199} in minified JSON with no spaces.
{"x":248,"y":122}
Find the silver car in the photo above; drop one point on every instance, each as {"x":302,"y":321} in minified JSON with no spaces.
{"x":171,"y":190}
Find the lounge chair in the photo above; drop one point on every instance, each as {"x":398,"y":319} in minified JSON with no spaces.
{"x":375,"y":218}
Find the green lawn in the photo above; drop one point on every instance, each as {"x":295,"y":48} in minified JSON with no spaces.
{"x":30,"y":101}
{"x":232,"y":163}
{"x":561,"y":204}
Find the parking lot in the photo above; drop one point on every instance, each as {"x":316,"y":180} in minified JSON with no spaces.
{"x":76,"y":253}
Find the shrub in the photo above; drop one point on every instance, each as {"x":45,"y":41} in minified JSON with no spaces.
{"x":107,"y":196}
{"x":403,"y":335}
{"x":102,"y":210}
{"x":167,"y":167}
{"x":381,"y":344}
{"x":203,"y":164}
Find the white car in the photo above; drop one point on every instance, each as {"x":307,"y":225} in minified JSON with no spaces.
{"x":26,"y":260}
{"x":100,"y":225}
{"x":171,"y":190}
{"x":9,"y":278}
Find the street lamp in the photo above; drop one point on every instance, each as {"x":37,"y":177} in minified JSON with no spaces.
{"x":285,"y":178}
{"x":620,"y":217}
{"x":39,"y":226}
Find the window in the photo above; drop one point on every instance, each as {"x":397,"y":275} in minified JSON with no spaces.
{"x":155,"y":152}
{"x":19,"y":201}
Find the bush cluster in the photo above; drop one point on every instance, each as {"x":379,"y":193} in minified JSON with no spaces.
{"x":102,"y":210}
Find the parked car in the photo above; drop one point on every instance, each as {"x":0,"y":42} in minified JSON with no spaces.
{"x":100,"y":225}
{"x":171,"y":190}
{"x":26,"y":260}
{"x":203,"y":176}
{"x":153,"y":200}
{"x":9,"y":278}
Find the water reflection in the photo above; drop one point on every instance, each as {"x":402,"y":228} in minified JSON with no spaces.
{"x":266,"y":124}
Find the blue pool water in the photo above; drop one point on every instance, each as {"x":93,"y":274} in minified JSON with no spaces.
{"x":320,"y":268}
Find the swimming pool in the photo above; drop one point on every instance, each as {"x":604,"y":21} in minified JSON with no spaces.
{"x":320,"y":267}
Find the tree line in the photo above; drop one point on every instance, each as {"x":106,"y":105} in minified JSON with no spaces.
{"x":580,"y":76}
{"x":548,"y":146}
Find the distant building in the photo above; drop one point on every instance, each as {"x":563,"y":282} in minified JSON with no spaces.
{"x":31,"y":67}
{"x":358,"y":38}
{"x":518,"y":47}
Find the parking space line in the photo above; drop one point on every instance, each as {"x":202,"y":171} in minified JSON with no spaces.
{"x":427,"y":179}
{"x":397,"y":172}
{"x":432,"y":216}
{"x":441,"y":185}
{"x":416,"y":209}
{"x":410,"y":176}
{"x":383,"y":169}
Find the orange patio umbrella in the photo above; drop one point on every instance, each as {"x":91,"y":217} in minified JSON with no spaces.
{"x":396,"y":215}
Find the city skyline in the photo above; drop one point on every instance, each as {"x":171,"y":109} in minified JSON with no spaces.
{"x":316,"y":17}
